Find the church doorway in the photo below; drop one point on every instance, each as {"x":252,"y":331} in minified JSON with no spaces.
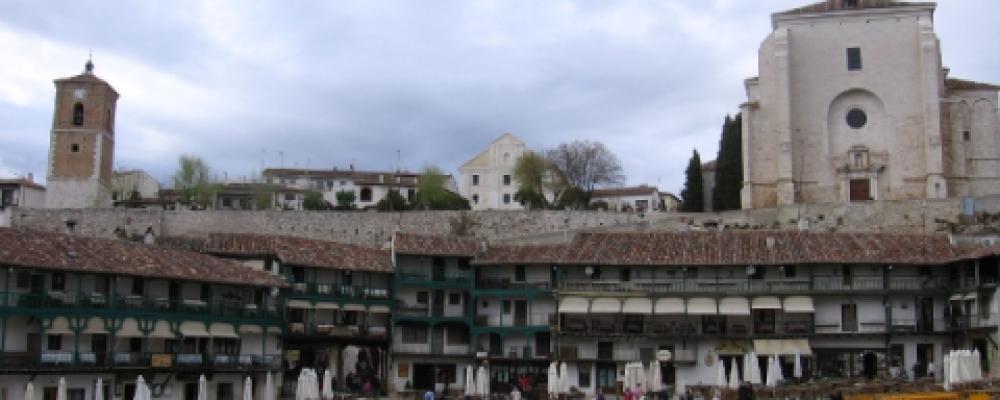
{"x":860,"y":190}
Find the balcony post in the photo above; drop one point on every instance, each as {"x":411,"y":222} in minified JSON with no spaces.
{"x":6,"y":288}
{"x":979,"y":313}
{"x":3,"y":341}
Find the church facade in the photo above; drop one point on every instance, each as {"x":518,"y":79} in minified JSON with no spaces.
{"x":852,"y":103}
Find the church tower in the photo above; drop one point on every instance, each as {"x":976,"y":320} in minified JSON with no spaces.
{"x":82,"y":142}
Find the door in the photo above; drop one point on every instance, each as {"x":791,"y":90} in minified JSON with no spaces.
{"x":542,"y":343}
{"x":190,"y":391}
{"x":437,"y":340}
{"x":607,"y":377}
{"x":520,"y":313}
{"x":869,"y":365}
{"x":605,"y":350}
{"x":423,"y":377}
{"x":925,"y":314}
{"x":438,"y":305}
{"x":849,"y":318}
{"x":496,"y":345}
{"x":860,"y":190}
{"x":99,"y":345}
{"x":925,"y":356}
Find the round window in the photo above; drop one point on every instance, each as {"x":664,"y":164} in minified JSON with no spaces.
{"x":856,"y":118}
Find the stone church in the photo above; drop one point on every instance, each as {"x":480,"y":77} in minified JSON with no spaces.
{"x":852,"y":103}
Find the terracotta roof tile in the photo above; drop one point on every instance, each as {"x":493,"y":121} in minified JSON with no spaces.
{"x":293,"y":250}
{"x":21,"y":182}
{"x":521,"y":254}
{"x":761,"y":248}
{"x":624,"y":191}
{"x":836,"y":5}
{"x":44,"y":250}
{"x":434,"y":245}
{"x":962,"y":84}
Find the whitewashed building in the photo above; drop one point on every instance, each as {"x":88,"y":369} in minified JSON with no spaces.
{"x":636,"y":198}
{"x":852,"y":103}
{"x":368,"y":186}
{"x":134,"y":185}
{"x":487,"y":179}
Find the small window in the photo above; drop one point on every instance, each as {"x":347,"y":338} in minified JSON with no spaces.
{"x":789,"y":271}
{"x":856,"y":118}
{"x":506,"y":198}
{"x":410,"y":194}
{"x":414,"y":334}
{"x":78,"y":114}
{"x":224,"y":391}
{"x":506,"y":180}
{"x":74,"y":148}
{"x":366,"y":194}
{"x":850,"y":3}
{"x":966,"y":136}
{"x":475,"y":180}
{"x":58,"y":281}
{"x":506,"y":306}
{"x":289,"y":196}
{"x":854,"y":59}
{"x":135,"y":345}
{"x":138,"y":286}
{"x":583,"y":375}
{"x":519,"y":273}
{"x":454,"y":299}
{"x":75,"y":394}
{"x":422,"y":297}
{"x":23,"y":280}
{"x":475,"y":199}
{"x":924,"y":270}
{"x":55,"y":343}
{"x":625,"y":274}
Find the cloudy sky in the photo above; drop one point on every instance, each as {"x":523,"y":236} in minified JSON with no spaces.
{"x":323,"y":83}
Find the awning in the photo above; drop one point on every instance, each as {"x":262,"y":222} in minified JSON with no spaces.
{"x":223,"y":331}
{"x":161,"y":330}
{"x":970,"y":296}
{"x":669,"y":306}
{"x":799,"y":304}
{"x":734,"y":306}
{"x":60,"y":326}
{"x":606,"y":305}
{"x":637,"y":305}
{"x":274,"y":329}
{"x":299,"y":304}
{"x":702,"y":306}
{"x":574,"y":305}
{"x":957,"y":297}
{"x":765,"y":303}
{"x":251,"y":329}
{"x":194,"y":329}
{"x":327,"y":306}
{"x":782,"y":347}
{"x":95,"y":325}
{"x":378,"y":309}
{"x":130,"y":328}
{"x":354,"y":307}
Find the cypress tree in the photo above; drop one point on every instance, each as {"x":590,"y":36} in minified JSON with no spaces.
{"x":729,"y":166}
{"x":692,"y":197}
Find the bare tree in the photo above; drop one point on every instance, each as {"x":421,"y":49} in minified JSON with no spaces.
{"x":192,"y":180}
{"x":585,"y":165}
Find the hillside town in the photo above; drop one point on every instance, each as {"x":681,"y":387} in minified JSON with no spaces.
{"x":844,"y":243}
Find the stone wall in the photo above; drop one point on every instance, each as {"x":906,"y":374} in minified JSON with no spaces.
{"x":375,"y":229}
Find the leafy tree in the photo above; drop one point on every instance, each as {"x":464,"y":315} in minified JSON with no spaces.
{"x":314,"y":201}
{"x":692,"y":197}
{"x":582,"y":165}
{"x":431,"y":193}
{"x":263,"y":196}
{"x":530,"y":170}
{"x":345,"y":200}
{"x":393,"y":201}
{"x":729,"y":166}
{"x":192,"y":180}
{"x":573,"y":198}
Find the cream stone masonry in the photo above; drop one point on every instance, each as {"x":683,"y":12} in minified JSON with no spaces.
{"x":852,"y":104}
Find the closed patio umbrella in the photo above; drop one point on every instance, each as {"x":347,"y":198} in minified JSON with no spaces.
{"x":655,"y":377}
{"x":247,"y":389}
{"x":29,"y":391}
{"x":553,"y":384}
{"x":470,"y":381}
{"x":734,"y":375}
{"x":720,"y":379}
{"x":202,"y":388}
{"x":772,"y":377}
{"x":61,"y":389}
{"x":327,"y":384}
{"x":563,"y":378}
{"x":797,"y":369}
{"x":268,"y":387}
{"x":141,"y":390}
{"x":778,"y":374}
{"x":99,"y":389}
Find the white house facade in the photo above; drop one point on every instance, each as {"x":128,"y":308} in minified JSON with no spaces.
{"x":487,"y":179}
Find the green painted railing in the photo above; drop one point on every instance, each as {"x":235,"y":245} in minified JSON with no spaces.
{"x":40,"y":302}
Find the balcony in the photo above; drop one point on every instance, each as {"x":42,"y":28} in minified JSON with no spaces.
{"x":738,"y":327}
{"x":60,"y":360}
{"x":424,"y":278}
{"x":497,"y":286}
{"x":819,"y":284}
{"x":372,"y":332}
{"x":436,"y":349}
{"x":423,"y":313}
{"x":507,"y":320}
{"x":32,"y":303}
{"x":330,"y":291}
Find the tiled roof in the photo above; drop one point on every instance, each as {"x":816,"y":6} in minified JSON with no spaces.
{"x":44,"y":250}
{"x":836,"y":5}
{"x":624,"y":191}
{"x":433,"y":245}
{"x":521,"y":254}
{"x":296,"y":251}
{"x":962,"y":84}
{"x":21,"y":182}
{"x":761,"y":248}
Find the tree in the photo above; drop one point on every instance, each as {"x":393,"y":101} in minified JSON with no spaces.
{"x":692,"y":197}
{"x":583,"y":165}
{"x":192,"y":180}
{"x":393,"y":201}
{"x":431,"y":193}
{"x":263,"y":195}
{"x":314,"y":201}
{"x":530,"y":170}
{"x":729,"y":166}
{"x":345,"y":200}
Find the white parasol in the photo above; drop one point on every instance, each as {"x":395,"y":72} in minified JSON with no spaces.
{"x":720,"y":379}
{"x":553,"y":385}
{"x":327,"y":384}
{"x":202,"y":388}
{"x":563,"y":378}
{"x":268,"y":387}
{"x":29,"y":391}
{"x":797,"y":369}
{"x":247,"y":389}
{"x":61,"y":389}
{"x":734,"y":375}
{"x":99,"y":389}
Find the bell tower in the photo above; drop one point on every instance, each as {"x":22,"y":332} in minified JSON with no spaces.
{"x":82,"y":142}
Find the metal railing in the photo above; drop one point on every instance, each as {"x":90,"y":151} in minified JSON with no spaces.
{"x":426,"y":348}
{"x":64,"y":300}
{"x":336,"y":330}
{"x":508,"y":320}
{"x":783,"y":286}
{"x":493,"y":283}
{"x":70,"y":359}
{"x":685,"y":327}
{"x":338,"y":290}
{"x":411,"y":276}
